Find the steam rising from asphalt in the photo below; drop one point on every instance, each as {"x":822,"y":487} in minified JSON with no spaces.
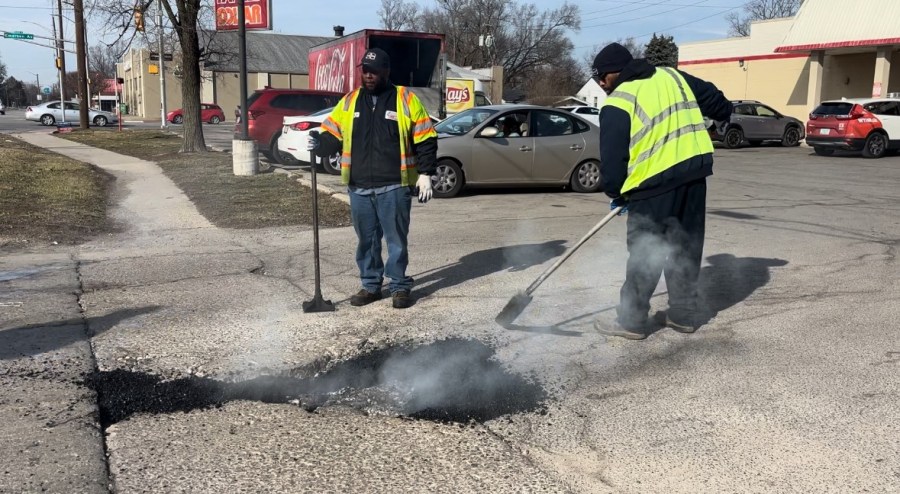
{"x":451,"y":380}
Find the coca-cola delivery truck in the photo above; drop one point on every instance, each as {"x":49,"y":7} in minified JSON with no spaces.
{"x":417,"y":61}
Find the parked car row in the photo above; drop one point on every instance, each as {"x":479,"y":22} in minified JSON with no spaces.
{"x":869,"y":125}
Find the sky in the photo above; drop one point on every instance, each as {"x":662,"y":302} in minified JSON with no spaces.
{"x":602,"y":20}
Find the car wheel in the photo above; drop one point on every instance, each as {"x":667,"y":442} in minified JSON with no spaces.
{"x":47,"y":120}
{"x":178,"y":119}
{"x":733,"y":138}
{"x":586,"y":177}
{"x":791,"y":137}
{"x":332,"y":165}
{"x":100,"y":121}
{"x":755,"y":143}
{"x":282,"y":158}
{"x":876,"y":145}
{"x":823,"y":151}
{"x":269,"y":156}
{"x":447,"y":180}
{"x":215,"y":119}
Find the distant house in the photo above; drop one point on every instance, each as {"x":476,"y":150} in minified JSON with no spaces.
{"x":274,"y":60}
{"x":592,"y":93}
{"x":569,"y":101}
{"x":106,"y":100}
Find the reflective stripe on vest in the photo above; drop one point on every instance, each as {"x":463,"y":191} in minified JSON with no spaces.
{"x":667,"y":126}
{"x":340,"y":124}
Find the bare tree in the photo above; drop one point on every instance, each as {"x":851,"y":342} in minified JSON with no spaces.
{"x":186,"y":17}
{"x":523,"y":39}
{"x":759,"y":10}
{"x":398,"y":15}
{"x":551,"y":83}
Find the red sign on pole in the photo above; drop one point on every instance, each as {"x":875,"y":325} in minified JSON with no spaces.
{"x":257,"y":14}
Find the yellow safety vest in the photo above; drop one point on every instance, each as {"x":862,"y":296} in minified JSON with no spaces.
{"x":666,"y":124}
{"x":412,"y":118}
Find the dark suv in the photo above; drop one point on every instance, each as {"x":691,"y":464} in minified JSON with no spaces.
{"x":755,"y":122}
{"x":266,"y":109}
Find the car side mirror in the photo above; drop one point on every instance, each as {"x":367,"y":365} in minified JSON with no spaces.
{"x":489,"y":132}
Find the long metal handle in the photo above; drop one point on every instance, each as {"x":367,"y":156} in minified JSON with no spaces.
{"x":315,"y":217}
{"x":612,"y":214}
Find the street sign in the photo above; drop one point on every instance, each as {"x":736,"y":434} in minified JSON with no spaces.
{"x":17,"y":35}
{"x":154,"y":57}
{"x":45,"y":89}
{"x":39,"y":98}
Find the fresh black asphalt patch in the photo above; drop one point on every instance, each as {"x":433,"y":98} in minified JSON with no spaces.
{"x":452,"y":380}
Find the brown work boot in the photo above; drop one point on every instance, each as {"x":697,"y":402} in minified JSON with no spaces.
{"x":364,"y":297}
{"x":401,"y":299}
{"x":683,"y":322}
{"x":612,"y":327}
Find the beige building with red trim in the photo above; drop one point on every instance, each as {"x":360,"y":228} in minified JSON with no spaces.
{"x":829,"y":50}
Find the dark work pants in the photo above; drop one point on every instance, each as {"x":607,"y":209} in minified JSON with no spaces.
{"x":665,"y":233}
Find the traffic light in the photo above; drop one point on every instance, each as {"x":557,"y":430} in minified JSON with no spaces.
{"x":138,"y":18}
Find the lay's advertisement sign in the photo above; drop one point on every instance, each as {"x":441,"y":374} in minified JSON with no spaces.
{"x":460,"y":95}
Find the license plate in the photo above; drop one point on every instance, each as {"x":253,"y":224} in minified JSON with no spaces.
{"x":824,"y":131}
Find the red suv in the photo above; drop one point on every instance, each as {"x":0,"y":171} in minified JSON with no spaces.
{"x":870,"y":125}
{"x":266,"y":109}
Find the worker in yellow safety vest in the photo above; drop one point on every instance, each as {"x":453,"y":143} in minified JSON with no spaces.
{"x":656,"y":153}
{"x":388,"y":152}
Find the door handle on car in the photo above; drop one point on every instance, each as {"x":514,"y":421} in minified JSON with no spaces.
{"x":524,"y":149}
{"x":576,"y":147}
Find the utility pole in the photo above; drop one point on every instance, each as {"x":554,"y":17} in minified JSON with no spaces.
{"x":81,"y":58}
{"x":61,"y":56}
{"x":162,"y":65}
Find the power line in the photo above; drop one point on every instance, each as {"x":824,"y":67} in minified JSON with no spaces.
{"x":678,"y":26}
{"x":690,"y":22}
{"x":644,"y":16}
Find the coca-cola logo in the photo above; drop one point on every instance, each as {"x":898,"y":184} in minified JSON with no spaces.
{"x":457,"y":95}
{"x":332,"y":70}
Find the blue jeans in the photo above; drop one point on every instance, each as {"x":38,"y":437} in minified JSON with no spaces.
{"x":382,"y":215}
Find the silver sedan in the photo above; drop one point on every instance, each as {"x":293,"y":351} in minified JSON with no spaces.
{"x":516,"y":145}
{"x":52,"y":111}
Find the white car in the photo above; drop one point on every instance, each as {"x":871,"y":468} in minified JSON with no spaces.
{"x":51,"y":112}
{"x":588,"y":113}
{"x":295,"y":134}
{"x":2,"y":108}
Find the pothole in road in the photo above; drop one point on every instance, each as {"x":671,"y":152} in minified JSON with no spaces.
{"x":452,"y":380}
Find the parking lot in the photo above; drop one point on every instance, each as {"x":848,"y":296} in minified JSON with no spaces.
{"x":792,"y":385}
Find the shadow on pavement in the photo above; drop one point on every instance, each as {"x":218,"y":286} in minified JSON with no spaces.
{"x":729,"y":280}
{"x":35,"y":339}
{"x":485,"y":262}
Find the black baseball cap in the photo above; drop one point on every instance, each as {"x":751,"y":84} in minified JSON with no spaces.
{"x":376,"y":58}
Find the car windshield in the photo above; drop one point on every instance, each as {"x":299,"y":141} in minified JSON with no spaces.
{"x":326,"y":111}
{"x":463,"y":122}
{"x":833,"y":109}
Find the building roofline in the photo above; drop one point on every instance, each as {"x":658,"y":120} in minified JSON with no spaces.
{"x":838,"y":44}
{"x":748,"y":58}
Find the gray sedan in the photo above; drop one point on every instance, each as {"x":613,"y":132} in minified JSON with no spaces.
{"x":51,"y":112}
{"x":516,"y":145}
